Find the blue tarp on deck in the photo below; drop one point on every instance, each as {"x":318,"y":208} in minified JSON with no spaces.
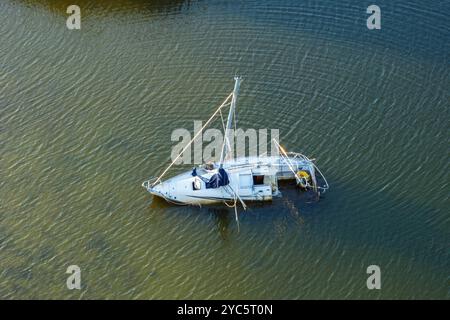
{"x":217,"y":180}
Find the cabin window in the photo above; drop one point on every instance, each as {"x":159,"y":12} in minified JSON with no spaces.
{"x":258,"y":180}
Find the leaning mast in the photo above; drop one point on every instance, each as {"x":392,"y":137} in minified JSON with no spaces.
{"x":230,"y":120}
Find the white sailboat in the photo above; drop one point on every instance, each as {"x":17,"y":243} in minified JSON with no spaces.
{"x":237,"y":180}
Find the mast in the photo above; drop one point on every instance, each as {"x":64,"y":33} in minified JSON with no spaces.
{"x":237,"y":82}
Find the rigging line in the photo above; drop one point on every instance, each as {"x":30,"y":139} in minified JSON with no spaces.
{"x":235,"y":128}
{"x":288,"y":161}
{"x":226,"y":140}
{"x":236,"y":216}
{"x":192,"y":140}
{"x":235,"y":121}
{"x":223,"y":122}
{"x":240,"y":200}
{"x":234,"y":205}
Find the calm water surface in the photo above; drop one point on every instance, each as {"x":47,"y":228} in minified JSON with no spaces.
{"x":86,"y":116}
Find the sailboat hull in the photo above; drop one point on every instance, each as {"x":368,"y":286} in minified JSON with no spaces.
{"x":250,"y":179}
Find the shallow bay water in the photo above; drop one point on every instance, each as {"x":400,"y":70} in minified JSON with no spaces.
{"x":86,"y":116}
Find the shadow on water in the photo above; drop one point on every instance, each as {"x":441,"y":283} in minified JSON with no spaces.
{"x":347,"y":214}
{"x":222,"y":216}
{"x":110,"y":7}
{"x":286,"y":210}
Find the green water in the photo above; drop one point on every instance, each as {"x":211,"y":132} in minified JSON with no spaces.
{"x":86,"y":116}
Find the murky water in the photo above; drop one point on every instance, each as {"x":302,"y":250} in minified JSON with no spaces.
{"x":86,"y":116}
